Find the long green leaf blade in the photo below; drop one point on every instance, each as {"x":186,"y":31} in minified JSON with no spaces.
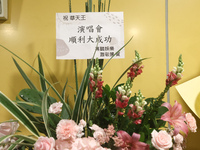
{"x":18,"y":114}
{"x":45,"y":113}
{"x":116,"y":53}
{"x":65,"y":106}
{"x":26,"y":138}
{"x":80,"y":94}
{"x":14,"y":145}
{"x":4,"y":138}
{"x":42,"y":81}
{"x":76,"y":76}
{"x":28,"y":81}
{"x":126,"y":71}
{"x":63,"y":91}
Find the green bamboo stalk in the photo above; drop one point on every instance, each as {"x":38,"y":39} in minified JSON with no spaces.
{"x":109,"y":5}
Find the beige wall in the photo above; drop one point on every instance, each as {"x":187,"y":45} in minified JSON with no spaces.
{"x":30,"y":29}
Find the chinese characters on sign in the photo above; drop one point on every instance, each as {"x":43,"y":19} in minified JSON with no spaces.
{"x":78,"y":35}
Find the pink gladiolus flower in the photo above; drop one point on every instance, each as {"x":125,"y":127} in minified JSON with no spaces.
{"x":131,"y":142}
{"x":45,"y":143}
{"x":175,"y":117}
{"x":67,"y":130}
{"x":191,"y":122}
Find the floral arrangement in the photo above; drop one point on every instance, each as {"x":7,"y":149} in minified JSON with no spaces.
{"x":110,"y":117}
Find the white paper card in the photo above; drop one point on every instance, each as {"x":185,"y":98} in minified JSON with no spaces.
{"x":79,"y":34}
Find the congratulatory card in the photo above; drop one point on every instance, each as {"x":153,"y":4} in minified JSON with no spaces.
{"x":190,"y":92}
{"x":78,"y":35}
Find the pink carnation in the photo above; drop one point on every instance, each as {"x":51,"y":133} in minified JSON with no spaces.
{"x":191,"y":122}
{"x":55,"y":108}
{"x":161,"y":140}
{"x":86,"y":144}
{"x":45,"y":143}
{"x":63,"y":145}
{"x":67,"y":130}
{"x":99,"y":134}
{"x":178,"y":139}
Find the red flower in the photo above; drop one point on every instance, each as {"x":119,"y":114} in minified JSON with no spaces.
{"x":139,"y":121}
{"x":120,"y":113}
{"x":172,"y":78}
{"x":121,"y":104}
{"x":132,"y":113}
{"x":134,"y":71}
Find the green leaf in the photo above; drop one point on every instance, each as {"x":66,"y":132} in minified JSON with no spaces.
{"x":109,"y":5}
{"x":18,"y":114}
{"x":30,"y":108}
{"x":116,"y":53}
{"x":45,"y":113}
{"x":76,"y":75}
{"x":126,"y":71}
{"x":64,"y":114}
{"x":63,"y":91}
{"x":26,"y":138}
{"x":79,"y":98}
{"x":14,"y":145}
{"x":29,"y":115}
{"x":54,"y":120}
{"x":31,"y":95}
{"x":161,"y":111}
{"x":65,"y":106}
{"x":4,"y":138}
{"x":42,"y":81}
{"x":142,"y":136}
{"x":28,"y":81}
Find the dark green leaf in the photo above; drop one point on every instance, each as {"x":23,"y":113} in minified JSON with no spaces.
{"x":16,"y":112}
{"x":161,"y":111}
{"x":31,"y":95}
{"x":42,"y":81}
{"x":45,"y":113}
{"x":28,"y":81}
{"x":30,"y":108}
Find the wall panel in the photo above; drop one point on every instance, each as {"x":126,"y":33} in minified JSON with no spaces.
{"x":184,"y":38}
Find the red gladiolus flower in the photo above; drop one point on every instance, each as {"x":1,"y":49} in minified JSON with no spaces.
{"x":175,"y":117}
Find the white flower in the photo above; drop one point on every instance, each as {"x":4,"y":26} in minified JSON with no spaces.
{"x":124,"y":97}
